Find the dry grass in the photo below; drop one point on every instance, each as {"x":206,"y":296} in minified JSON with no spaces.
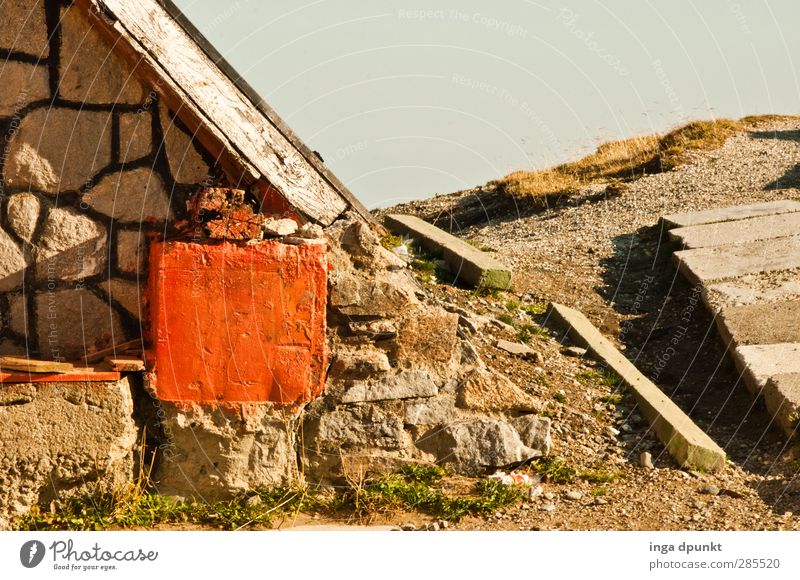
{"x":620,"y":161}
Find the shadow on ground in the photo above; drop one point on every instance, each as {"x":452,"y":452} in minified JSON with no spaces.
{"x":672,"y":339}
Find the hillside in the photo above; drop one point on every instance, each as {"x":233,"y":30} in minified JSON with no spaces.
{"x":597,"y":247}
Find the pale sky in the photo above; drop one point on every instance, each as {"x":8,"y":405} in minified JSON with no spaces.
{"x":408,"y":99}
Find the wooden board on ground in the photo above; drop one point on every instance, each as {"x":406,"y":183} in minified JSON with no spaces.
{"x":125,"y":363}
{"x":26,"y":365}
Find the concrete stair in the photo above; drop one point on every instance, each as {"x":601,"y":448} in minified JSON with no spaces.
{"x":747,"y":260}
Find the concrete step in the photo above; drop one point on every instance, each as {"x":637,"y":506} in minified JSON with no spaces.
{"x":753,"y":289}
{"x":685,"y":441}
{"x":737,"y":232}
{"x":738,"y":212}
{"x":760,"y":362}
{"x":765,"y":323}
{"x":468,"y":263}
{"x":782,"y":398}
{"x":705,"y":265}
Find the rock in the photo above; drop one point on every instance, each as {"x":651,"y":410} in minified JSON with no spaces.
{"x":91,"y":71}
{"x":219,"y":452}
{"x":310,"y":231}
{"x":444,"y":524}
{"x":485,"y":390}
{"x":24,"y":28}
{"x":360,"y":362}
{"x":469,"y":324}
{"x":599,"y":501}
{"x":127,"y":294}
{"x":62,"y":439}
{"x":431,"y":411}
{"x":575,"y":351}
{"x":23,"y":84}
{"x":18,"y":312}
{"x":472,"y":447}
{"x":403,"y":385}
{"x":502,"y":326}
{"x":408,"y":527}
{"x":365,"y":248}
{"x":23,"y":213}
{"x":427,"y":337}
{"x":135,"y":136}
{"x":71,"y":247}
{"x":12,"y":263}
{"x":354,"y":294}
{"x":279,"y":227}
{"x":573,"y":495}
{"x":534,"y":431}
{"x":470,"y":356}
{"x":549,"y":496}
{"x":70,"y":322}
{"x":374,"y":329}
{"x":432,"y":527}
{"x":185,"y":162}
{"x":516,"y":348}
{"x":710,"y":489}
{"x":548,"y":507}
{"x":535,"y":491}
{"x":131,"y":251}
{"x":646,"y":460}
{"x":131,"y":196}
{"x":78,"y":145}
{"x":254,"y":500}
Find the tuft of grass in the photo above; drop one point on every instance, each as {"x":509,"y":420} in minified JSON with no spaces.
{"x":600,"y":377}
{"x":560,"y":397}
{"x":390,"y":241}
{"x":512,"y":305}
{"x":599,"y":476}
{"x":599,"y":491}
{"x":611,"y":399}
{"x":619,"y":161}
{"x":527,"y":331}
{"x":417,"y":488}
{"x":506,"y":318}
{"x":554,"y":469}
{"x":535,"y":309}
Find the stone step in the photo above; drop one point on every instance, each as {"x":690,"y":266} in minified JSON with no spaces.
{"x":760,"y":362}
{"x":685,"y":441}
{"x":765,"y":323}
{"x":782,"y":398}
{"x":466,"y":262}
{"x":705,"y":265}
{"x":737,"y":212}
{"x":753,"y":289}
{"x":737,"y":232}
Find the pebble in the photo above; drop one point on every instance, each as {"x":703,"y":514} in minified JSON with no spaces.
{"x":408,"y":527}
{"x":646,"y":460}
{"x":548,"y":507}
{"x":573,"y":495}
{"x":574,"y":351}
{"x":432,"y":527}
{"x":549,"y":496}
{"x":535,"y":491}
{"x":710,"y":489}
{"x":444,"y":524}
{"x":254,"y":500}
{"x":600,"y":501}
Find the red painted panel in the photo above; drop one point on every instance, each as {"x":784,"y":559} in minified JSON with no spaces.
{"x":77,"y":376}
{"x":238,"y":323}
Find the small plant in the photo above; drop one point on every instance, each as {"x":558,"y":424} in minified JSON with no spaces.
{"x":602,"y":377}
{"x":611,"y":399}
{"x":390,"y":241}
{"x":506,"y":319}
{"x":527,"y":331}
{"x":512,"y":306}
{"x":554,"y":469}
{"x":599,"y":476}
{"x":560,"y":397}
{"x":535,"y":309}
{"x":599,"y":491}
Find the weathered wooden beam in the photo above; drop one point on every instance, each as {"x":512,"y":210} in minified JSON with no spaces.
{"x":211,"y":104}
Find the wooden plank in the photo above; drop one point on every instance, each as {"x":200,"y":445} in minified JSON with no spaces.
{"x":99,"y":355}
{"x":125,"y":363}
{"x":26,"y":365}
{"x":77,"y":376}
{"x":211,"y":96}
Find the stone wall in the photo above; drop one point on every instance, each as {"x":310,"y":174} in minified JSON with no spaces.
{"x":93,"y":168}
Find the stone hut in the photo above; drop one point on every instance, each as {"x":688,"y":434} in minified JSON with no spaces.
{"x":151,"y":204}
